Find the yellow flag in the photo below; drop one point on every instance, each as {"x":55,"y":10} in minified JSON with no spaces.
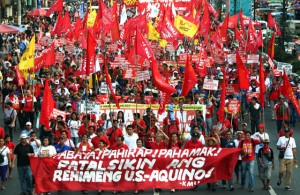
{"x":163,"y":43}
{"x":91,"y":18}
{"x":152,"y":33}
{"x":27,"y":59}
{"x":185,"y":27}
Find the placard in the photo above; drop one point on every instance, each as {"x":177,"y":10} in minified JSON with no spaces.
{"x":250,"y":95}
{"x":210,"y":84}
{"x":234,"y":106}
{"x":57,"y":112}
{"x":142,"y":75}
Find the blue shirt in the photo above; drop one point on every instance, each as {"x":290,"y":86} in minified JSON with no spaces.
{"x":61,"y":148}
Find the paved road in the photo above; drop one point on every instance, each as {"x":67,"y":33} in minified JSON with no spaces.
{"x":13,"y":187}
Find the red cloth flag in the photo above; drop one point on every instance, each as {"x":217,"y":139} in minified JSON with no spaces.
{"x":211,"y":9}
{"x":108,"y":17}
{"x":262,"y":85}
{"x":242,"y":72}
{"x":233,"y":20}
{"x":273,"y":23}
{"x":259,"y":39}
{"x":57,"y":7}
{"x":47,"y":106}
{"x":271,"y":47}
{"x":158,"y":81}
{"x":237,"y":35}
{"x":98,"y":21}
{"x":205,"y":22}
{"x":59,"y":25}
{"x":222,"y":99}
{"x":168,"y":31}
{"x":20,"y":77}
{"x":190,"y":77}
{"x":108,"y":82}
{"x":242,"y":23}
{"x":66,"y":22}
{"x":251,"y":43}
{"x":46,"y":58}
{"x":90,"y":54}
{"x":223,"y":28}
{"x":287,"y":91}
{"x":142,"y":47}
{"x":115,"y":33}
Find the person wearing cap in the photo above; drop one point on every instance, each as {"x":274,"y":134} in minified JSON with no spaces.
{"x":285,"y":124}
{"x":194,"y":142}
{"x":266,"y":162}
{"x":248,"y":159}
{"x":29,"y":104}
{"x":168,"y":118}
{"x":260,"y":135}
{"x":254,"y":113}
{"x":286,"y":144}
{"x":282,"y":111}
{"x":100,"y":136}
{"x":244,"y":127}
{"x":10,"y":117}
{"x":22,"y":153}
{"x":28,"y":129}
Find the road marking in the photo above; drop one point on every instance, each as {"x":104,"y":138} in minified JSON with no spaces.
{"x":271,"y":190}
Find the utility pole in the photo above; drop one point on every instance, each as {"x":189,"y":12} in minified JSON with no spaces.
{"x":254,"y":7}
{"x":283,"y":25}
{"x":19,"y":13}
{"x":234,"y":7}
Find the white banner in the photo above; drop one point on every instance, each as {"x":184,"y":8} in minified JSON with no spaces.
{"x":210,"y":84}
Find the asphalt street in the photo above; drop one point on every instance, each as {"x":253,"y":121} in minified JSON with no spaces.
{"x":13,"y":186}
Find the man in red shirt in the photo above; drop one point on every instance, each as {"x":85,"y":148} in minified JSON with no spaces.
{"x":167,"y":120}
{"x":29,"y":104}
{"x":282,"y":112}
{"x":248,"y":154}
{"x":100,"y":136}
{"x":161,"y":141}
{"x":194,"y":142}
{"x":114,"y":132}
{"x":119,"y":145}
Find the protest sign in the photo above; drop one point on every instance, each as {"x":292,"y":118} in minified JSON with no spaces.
{"x":142,"y":75}
{"x":59,"y":57}
{"x":57,"y":112}
{"x":232,"y":89}
{"x":133,"y":169}
{"x":104,"y":88}
{"x":91,"y":108}
{"x":129,"y":74}
{"x":210,"y":84}
{"x":250,"y":95}
{"x":234,"y":106}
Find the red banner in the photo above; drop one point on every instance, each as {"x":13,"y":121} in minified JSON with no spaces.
{"x":234,"y":106}
{"x":133,"y":169}
{"x":250,"y":95}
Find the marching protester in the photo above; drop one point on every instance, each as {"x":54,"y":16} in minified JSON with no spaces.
{"x":266,"y":162}
{"x":287,"y":157}
{"x":10,"y":116}
{"x":11,"y":146}
{"x":5,"y":162}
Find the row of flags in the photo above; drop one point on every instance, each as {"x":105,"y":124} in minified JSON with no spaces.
{"x":168,"y":27}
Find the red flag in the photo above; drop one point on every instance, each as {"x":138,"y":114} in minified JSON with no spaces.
{"x":46,"y":58}
{"x":90,"y":53}
{"x":98,"y":22}
{"x":211,"y":9}
{"x":20,"y":77}
{"x":237,"y":34}
{"x":271,"y":47}
{"x":168,"y":31}
{"x":77,"y":29}
{"x":222,"y":99}
{"x":242,"y":72}
{"x":262,"y":85}
{"x":142,"y":47}
{"x":59,"y":25}
{"x":108,"y":82}
{"x":108,"y":18}
{"x":190,"y":77}
{"x":47,"y":106}
{"x":242,"y":23}
{"x":115,"y":34}
{"x":66,"y":22}
{"x":223,"y":28}
{"x":251,"y":43}
{"x":259,"y":40}
{"x":205,"y":22}
{"x":233,"y":20}
{"x":273,"y":23}
{"x":163,"y":101}
{"x":287,"y":91}
{"x":57,"y":7}
{"x":158,"y":81}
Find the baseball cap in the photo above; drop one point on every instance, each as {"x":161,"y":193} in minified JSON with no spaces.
{"x":23,"y":136}
{"x":28,"y":123}
{"x":287,"y":130}
{"x":245,"y":124}
{"x":266,"y":141}
{"x":195,"y":135}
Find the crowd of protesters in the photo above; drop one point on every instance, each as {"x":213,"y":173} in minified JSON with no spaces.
{"x":84,"y":132}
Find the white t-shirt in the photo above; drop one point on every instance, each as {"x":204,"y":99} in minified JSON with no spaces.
{"x":84,"y":148}
{"x":257,"y":136}
{"x":74,"y":127}
{"x":237,"y":142}
{"x":91,"y":137}
{"x":34,"y":146}
{"x":4,"y":154}
{"x":201,"y":139}
{"x":130,"y":140}
{"x":46,"y":151}
{"x":282,"y":142}
{"x":69,"y":143}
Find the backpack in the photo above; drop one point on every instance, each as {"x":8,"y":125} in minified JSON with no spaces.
{"x":2,"y":157}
